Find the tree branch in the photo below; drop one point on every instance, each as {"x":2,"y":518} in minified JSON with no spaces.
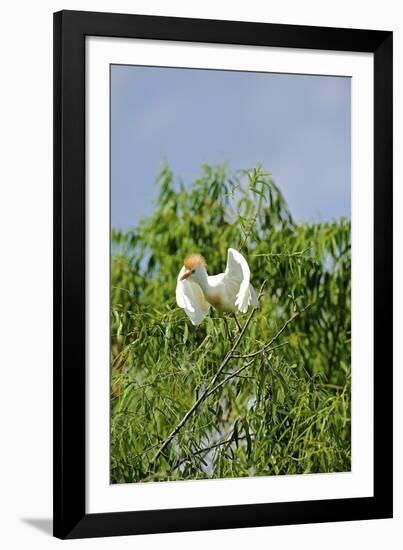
{"x":213,"y":385}
{"x":203,"y":396}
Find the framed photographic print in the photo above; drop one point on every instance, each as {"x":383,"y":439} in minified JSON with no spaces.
{"x":223,"y":274}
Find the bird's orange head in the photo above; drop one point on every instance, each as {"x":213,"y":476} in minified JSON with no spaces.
{"x":191,"y":263}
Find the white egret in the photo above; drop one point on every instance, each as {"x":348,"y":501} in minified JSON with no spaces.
{"x":196,"y":291}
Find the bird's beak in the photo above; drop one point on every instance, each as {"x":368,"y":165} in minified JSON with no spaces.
{"x":185,"y":275}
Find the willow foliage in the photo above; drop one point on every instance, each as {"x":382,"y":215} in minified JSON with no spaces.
{"x":288,"y":412}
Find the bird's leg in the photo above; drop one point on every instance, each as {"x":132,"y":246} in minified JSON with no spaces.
{"x":237,"y":323}
{"x":227,"y":329}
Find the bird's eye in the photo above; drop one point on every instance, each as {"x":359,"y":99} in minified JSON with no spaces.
{"x":193,"y":270}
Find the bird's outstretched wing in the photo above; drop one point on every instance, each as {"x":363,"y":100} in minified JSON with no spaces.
{"x":237,"y":277}
{"x":189,"y":296}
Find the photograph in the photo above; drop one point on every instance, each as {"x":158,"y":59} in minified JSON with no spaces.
{"x":230,"y":282}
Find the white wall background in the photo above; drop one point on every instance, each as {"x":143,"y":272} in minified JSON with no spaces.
{"x":26,"y":271}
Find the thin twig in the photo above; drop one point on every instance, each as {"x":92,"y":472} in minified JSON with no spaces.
{"x":238,"y":324}
{"x":247,"y":233}
{"x":246,"y":377}
{"x":232,"y":375}
{"x":207,"y":449}
{"x":268,"y":345}
{"x":285,"y":254}
{"x":237,"y":372}
{"x":261,"y":350}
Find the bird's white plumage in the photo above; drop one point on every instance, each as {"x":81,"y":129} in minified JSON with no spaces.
{"x":189,"y":296}
{"x":237,"y":278}
{"x":228,"y":291}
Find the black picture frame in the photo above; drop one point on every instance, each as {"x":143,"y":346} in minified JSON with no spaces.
{"x":70,"y":517}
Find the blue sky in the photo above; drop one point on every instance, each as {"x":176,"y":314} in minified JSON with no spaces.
{"x":296,"y":126}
